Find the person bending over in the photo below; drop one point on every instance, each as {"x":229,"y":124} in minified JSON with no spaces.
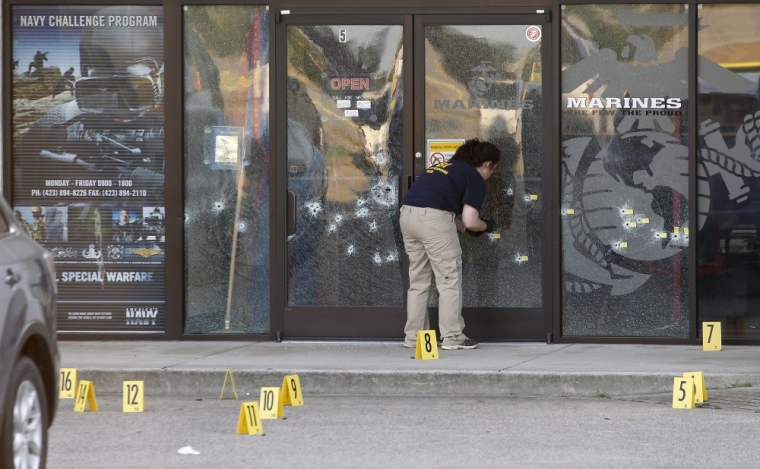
{"x":429,"y":225}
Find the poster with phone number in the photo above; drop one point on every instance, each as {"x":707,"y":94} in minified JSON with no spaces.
{"x":88,"y":158}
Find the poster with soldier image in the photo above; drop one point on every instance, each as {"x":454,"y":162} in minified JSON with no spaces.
{"x":88,"y":157}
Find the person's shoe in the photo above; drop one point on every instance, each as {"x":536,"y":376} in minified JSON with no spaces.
{"x":467,"y":344}
{"x":408,"y":346}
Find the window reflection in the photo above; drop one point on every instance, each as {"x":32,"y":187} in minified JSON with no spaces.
{"x":728,"y":179}
{"x":226,"y":67}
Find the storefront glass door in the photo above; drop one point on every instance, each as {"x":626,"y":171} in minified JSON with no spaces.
{"x":351,"y":153}
{"x":481,"y":77}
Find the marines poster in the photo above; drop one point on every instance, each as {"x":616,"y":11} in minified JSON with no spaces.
{"x":88,"y":158}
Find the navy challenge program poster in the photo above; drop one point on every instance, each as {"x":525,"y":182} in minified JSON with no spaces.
{"x":88,"y":158}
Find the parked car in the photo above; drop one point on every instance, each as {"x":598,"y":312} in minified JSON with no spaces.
{"x":28,"y":350}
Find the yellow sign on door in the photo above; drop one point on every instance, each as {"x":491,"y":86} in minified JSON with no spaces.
{"x":700,"y":390}
{"x":86,"y":397}
{"x":270,"y":404}
{"x":291,"y":391}
{"x":68,"y":383}
{"x":249,"y":421}
{"x":134,"y":396}
{"x":683,"y":393}
{"x":427,"y":346}
{"x":711,"y":337}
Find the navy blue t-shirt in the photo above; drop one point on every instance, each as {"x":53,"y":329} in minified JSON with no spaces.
{"x":448,"y":186}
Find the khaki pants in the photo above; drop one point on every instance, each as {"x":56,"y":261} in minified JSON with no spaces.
{"x":432,"y":244}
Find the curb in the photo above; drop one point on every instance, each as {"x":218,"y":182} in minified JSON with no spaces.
{"x":201,"y":382}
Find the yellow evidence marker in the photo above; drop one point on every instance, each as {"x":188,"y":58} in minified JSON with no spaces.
{"x":534,"y":197}
{"x":291,"y":391}
{"x":427,"y":346}
{"x":249,"y":422}
{"x":700,"y":390}
{"x":570,"y":211}
{"x":134,"y":396}
{"x":67,"y":385}
{"x":270,"y":404}
{"x":232,"y":380}
{"x":711,"y":337}
{"x":86,"y":397}
{"x":683,"y":393}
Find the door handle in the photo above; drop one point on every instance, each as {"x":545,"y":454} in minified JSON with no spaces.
{"x":291,"y":213}
{"x":11,"y":278}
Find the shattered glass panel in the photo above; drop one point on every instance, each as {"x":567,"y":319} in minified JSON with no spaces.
{"x":226,"y":70}
{"x":624,"y":170}
{"x":728,"y":178}
{"x":345,"y":102}
{"x":485,"y":82}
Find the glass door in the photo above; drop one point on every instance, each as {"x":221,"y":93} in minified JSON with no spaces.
{"x":351,"y":150}
{"x":342,"y":106}
{"x":483,"y":77}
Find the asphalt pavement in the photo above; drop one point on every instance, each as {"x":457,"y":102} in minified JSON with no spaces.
{"x":439,"y":432}
{"x":191,"y":368}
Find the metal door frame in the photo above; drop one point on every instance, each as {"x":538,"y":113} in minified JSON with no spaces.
{"x":499,"y":324}
{"x":344,"y":322}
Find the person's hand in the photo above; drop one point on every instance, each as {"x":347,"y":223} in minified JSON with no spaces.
{"x":490,"y":226}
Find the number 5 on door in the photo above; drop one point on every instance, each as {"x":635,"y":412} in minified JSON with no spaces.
{"x":134,"y":396}
{"x":683,"y":393}
{"x":427,"y":346}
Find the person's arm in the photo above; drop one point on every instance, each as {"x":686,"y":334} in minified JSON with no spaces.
{"x":471,"y":219}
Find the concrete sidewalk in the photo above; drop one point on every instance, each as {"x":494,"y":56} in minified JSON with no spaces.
{"x":383,"y":368}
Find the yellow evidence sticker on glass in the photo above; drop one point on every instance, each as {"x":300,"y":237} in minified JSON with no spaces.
{"x":524,"y":258}
{"x":533,"y":197}
{"x":570,"y":211}
{"x":629,"y":211}
{"x":497,"y":236}
{"x":623,"y":244}
{"x":632,"y":224}
{"x":644,"y":221}
{"x":676,"y":229}
{"x":663,"y":235}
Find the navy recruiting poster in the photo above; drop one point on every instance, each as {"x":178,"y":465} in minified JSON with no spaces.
{"x":88,"y":158}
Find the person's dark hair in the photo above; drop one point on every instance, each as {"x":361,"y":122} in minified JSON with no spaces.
{"x":476,"y":153}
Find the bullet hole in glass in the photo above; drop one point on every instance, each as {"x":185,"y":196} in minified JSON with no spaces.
{"x":383,"y":194}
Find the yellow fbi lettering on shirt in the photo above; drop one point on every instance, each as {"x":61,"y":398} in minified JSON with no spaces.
{"x":439,"y":167}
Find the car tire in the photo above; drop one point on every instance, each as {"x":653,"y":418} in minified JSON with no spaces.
{"x":25,"y":419}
